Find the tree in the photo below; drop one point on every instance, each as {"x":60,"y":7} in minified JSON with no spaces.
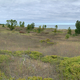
{"x":45,"y":26}
{"x":77,"y":30}
{"x":20,"y":23}
{"x":11,"y":24}
{"x":32,"y":24}
{"x":55,"y":30}
{"x":56,"y":27}
{"x":23,"y":24}
{"x":69,"y":31}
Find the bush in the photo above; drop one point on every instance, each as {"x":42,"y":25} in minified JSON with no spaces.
{"x":70,"y":68}
{"x":18,"y":53}
{"x":36,"y":55}
{"x":4,"y":58}
{"x":67,"y":36}
{"x":47,"y":59}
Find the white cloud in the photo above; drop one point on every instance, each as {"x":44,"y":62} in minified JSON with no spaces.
{"x":40,"y":10}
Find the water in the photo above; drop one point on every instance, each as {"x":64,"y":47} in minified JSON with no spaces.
{"x":59,"y":26}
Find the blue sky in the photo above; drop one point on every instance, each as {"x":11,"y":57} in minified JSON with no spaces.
{"x":40,"y":11}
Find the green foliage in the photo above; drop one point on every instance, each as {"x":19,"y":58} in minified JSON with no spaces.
{"x":39,"y":29}
{"x":18,"y":53}
{"x":46,"y":41}
{"x":77,"y":30}
{"x":67,"y":36}
{"x":70,"y":68}
{"x":21,"y":24}
{"x":69,"y":31}
{"x":56,"y":26}
{"x":50,"y":43}
{"x":4,"y":58}
{"x":55,"y":30}
{"x":11,"y":24}
{"x":49,"y":59}
{"x":74,"y":35}
{"x":2,"y":76}
{"x":6,"y":52}
{"x":36,"y":55}
{"x":30,"y":26}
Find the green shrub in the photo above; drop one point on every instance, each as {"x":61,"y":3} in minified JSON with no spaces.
{"x":47,"y":39}
{"x":4,"y":58}
{"x":54,"y":56}
{"x":67,"y":36}
{"x":50,"y":59}
{"x":18,"y":53}
{"x":47,"y":59}
{"x":42,"y":41}
{"x":74,"y":35}
{"x":77,"y":30}
{"x":5,"y":52}
{"x":50,"y":42}
{"x":70,"y":68}
{"x":2,"y":76}
{"x":35,"y":55}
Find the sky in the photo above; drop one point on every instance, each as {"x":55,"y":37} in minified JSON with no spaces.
{"x":40,"y":11}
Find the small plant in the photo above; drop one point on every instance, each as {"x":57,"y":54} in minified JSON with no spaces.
{"x":67,"y":36}
{"x":47,"y":39}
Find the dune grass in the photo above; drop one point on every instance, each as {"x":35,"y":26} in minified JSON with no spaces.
{"x":44,"y":55}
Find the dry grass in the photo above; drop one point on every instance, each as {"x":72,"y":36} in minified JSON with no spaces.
{"x":14,"y":41}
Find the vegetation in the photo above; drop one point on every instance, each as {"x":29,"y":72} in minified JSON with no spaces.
{"x":67,"y":36}
{"x":46,"y":62}
{"x":69,"y":31}
{"x":11,"y":24}
{"x":55,"y":30}
{"x":77,"y":30}
{"x":21,"y":24}
{"x":30,"y":26}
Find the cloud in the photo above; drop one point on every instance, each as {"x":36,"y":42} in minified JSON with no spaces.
{"x":40,"y":10}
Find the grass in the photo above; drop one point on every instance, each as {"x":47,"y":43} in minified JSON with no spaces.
{"x":39,"y":54}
